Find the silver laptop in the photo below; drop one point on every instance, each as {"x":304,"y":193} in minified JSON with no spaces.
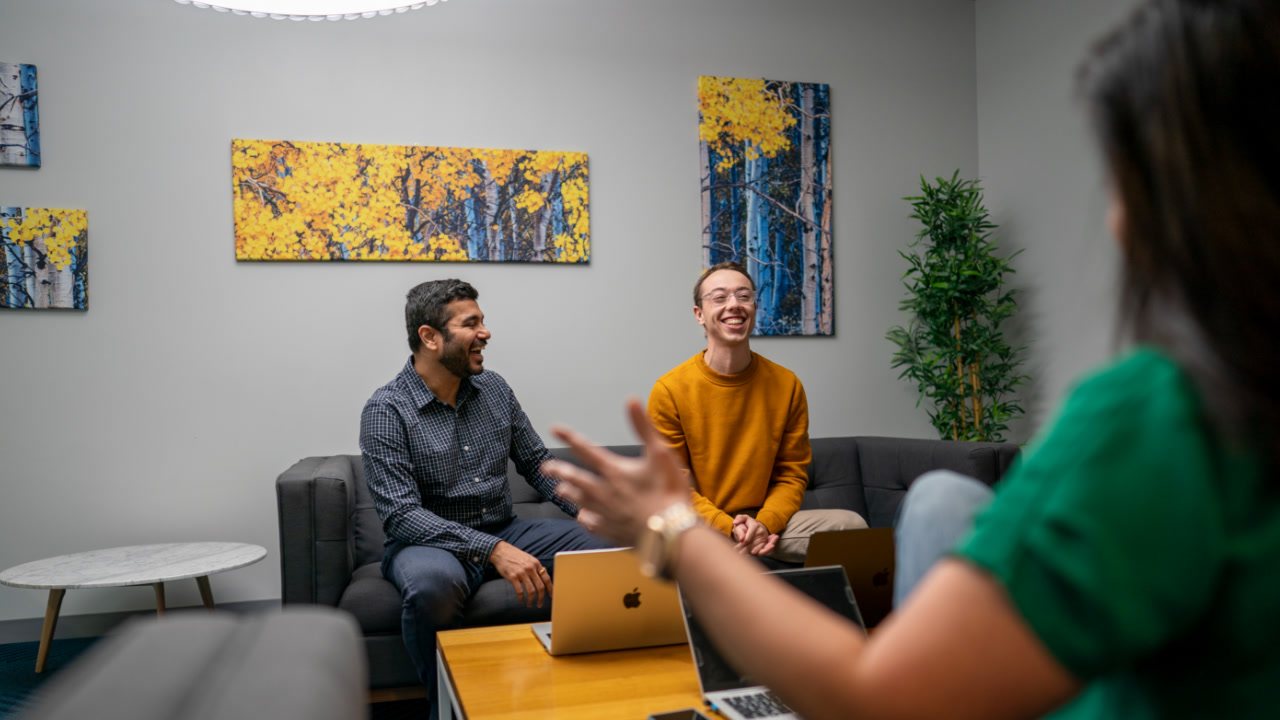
{"x":737,"y":696}
{"x":603,"y":602}
{"x":867,"y":556}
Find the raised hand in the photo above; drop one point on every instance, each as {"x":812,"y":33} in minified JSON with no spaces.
{"x":622,"y":492}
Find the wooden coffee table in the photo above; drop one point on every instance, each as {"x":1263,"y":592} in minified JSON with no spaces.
{"x":134,"y":565}
{"x":504,"y":672}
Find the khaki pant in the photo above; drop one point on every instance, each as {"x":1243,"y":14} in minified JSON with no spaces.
{"x":793,"y":541}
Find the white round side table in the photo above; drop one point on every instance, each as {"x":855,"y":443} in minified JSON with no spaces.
{"x":133,"y":565}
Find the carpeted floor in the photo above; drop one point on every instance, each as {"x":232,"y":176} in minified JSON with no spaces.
{"x":18,"y":676}
{"x":19,"y":680}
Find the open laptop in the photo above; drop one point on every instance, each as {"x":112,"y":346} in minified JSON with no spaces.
{"x":867,"y":557}
{"x":603,"y":602}
{"x":737,"y":696}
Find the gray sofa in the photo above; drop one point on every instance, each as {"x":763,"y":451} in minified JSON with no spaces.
{"x":305,"y":663}
{"x":331,"y":539}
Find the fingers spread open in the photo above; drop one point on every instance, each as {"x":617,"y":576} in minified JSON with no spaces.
{"x":590,"y":519}
{"x":576,"y":483}
{"x":655,"y":446}
{"x":588,"y":452}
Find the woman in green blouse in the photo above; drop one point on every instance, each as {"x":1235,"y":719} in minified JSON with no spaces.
{"x":1127,"y":567}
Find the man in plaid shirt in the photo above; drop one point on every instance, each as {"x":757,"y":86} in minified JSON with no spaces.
{"x":435,"y":443}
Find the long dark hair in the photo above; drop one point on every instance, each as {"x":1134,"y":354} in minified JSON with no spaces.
{"x":1185,"y":99}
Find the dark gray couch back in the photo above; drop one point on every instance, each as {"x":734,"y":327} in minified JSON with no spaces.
{"x":868,"y":475}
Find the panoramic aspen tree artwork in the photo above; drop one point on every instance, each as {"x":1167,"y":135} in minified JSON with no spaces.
{"x":337,"y":201}
{"x":19,"y":116}
{"x":766,"y":196}
{"x":45,"y":256}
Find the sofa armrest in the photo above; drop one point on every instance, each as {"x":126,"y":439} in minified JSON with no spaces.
{"x":314,"y":499}
{"x":302,"y":663}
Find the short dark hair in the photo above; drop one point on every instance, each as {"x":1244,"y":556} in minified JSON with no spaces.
{"x":1184,"y":105}
{"x":726,"y":265}
{"x":428,"y":304}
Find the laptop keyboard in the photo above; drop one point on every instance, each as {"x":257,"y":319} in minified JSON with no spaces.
{"x":758,"y":705}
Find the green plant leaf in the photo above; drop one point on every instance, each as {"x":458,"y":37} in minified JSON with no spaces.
{"x":957,"y":298}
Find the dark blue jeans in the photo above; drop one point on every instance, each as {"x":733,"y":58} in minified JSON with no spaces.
{"x":435,"y":585}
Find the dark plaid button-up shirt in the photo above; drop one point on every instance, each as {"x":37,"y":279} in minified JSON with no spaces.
{"x":438,"y":474}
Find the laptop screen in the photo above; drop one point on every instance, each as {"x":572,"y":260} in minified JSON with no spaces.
{"x":827,"y":585}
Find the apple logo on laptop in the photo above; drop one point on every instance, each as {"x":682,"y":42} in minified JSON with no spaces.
{"x":881,"y":578}
{"x":631,"y":599}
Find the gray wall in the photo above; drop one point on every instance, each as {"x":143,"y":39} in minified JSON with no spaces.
{"x":165,"y":411}
{"x":1046,"y":186}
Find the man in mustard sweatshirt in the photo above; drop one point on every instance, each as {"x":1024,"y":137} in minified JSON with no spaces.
{"x":741,"y":425}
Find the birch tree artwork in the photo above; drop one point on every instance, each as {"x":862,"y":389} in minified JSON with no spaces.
{"x":766,"y":196}
{"x":335,"y":201}
{"x":19,"y":116}
{"x":44,"y":258}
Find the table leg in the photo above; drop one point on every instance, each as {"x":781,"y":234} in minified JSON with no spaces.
{"x":159,"y":598}
{"x":50,"y":622}
{"x":445,"y":700}
{"x":206,"y":593}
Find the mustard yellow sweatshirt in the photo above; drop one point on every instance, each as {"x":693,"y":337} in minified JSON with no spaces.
{"x":744,"y":437}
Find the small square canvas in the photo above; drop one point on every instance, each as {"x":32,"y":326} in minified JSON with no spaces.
{"x":19,"y":116}
{"x":44,"y":258}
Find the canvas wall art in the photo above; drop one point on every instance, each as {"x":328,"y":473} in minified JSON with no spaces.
{"x":766,"y":196}
{"x":19,"y":116}
{"x":45,"y":256}
{"x":337,"y":201}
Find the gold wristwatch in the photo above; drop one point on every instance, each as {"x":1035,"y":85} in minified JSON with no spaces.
{"x":657,"y":545}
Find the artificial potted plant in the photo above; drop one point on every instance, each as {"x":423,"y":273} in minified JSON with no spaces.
{"x":953,"y":348}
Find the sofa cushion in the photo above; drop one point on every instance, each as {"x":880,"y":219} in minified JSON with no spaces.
{"x":834,"y":478}
{"x":373,"y":600}
{"x":888,"y":466}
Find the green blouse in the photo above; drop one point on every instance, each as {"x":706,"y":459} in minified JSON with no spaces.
{"x":1145,"y":557}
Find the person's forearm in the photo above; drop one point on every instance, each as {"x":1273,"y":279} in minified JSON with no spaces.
{"x":713,"y":516}
{"x":809,"y":656}
{"x":781,"y":501}
{"x":419,"y":526}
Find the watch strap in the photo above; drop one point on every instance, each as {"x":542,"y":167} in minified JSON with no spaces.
{"x":667,"y":526}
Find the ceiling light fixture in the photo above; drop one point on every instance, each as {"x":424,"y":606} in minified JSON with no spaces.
{"x":310,"y":9}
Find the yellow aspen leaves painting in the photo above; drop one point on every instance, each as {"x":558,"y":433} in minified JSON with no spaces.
{"x":766,"y":196}
{"x":44,"y":258}
{"x":338,"y":201}
{"x":745,"y":114}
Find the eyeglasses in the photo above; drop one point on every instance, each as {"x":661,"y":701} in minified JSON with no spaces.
{"x":720,"y":297}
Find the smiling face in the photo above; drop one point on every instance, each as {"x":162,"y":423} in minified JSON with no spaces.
{"x":464,"y":338}
{"x":728,"y":323}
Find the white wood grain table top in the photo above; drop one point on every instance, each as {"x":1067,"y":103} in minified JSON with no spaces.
{"x":133,"y":565}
